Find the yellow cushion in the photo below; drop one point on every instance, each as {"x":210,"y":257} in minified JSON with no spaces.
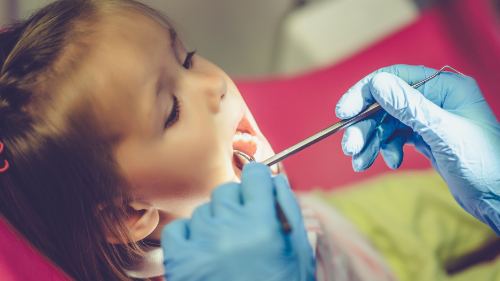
{"x":414,"y":221}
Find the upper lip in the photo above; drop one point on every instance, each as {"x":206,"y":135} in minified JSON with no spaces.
{"x":245,"y":126}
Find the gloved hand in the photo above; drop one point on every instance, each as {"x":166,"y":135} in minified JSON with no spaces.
{"x":237,"y":236}
{"x":447,"y":119}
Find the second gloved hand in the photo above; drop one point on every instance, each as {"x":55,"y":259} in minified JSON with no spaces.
{"x":447,"y":119}
{"x":237,"y":236}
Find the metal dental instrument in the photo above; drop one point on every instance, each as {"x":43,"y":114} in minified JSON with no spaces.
{"x":285,"y":225}
{"x":374,"y":107}
{"x":244,"y":155}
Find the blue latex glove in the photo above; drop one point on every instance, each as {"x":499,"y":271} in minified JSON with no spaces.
{"x":237,"y":236}
{"x":447,"y":119}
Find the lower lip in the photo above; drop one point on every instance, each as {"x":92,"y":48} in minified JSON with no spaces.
{"x":237,"y":167}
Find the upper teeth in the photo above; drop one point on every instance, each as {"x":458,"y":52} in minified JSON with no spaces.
{"x":252,"y":141}
{"x":243,"y":136}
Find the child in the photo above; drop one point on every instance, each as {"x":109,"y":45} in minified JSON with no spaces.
{"x":112,"y":129}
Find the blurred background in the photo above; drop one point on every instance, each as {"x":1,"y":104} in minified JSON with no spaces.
{"x":293,"y":59}
{"x":259,"y":37}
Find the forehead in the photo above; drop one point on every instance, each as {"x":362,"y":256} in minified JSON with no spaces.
{"x":127,"y":54}
{"x":133,"y":29}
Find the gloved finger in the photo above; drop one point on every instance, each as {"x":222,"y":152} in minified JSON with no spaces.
{"x":437,"y":89}
{"x":367,"y":156}
{"x":356,"y":136}
{"x":200,"y":224}
{"x":226,"y":199}
{"x":359,"y":96}
{"x":288,"y":202}
{"x":355,"y":99}
{"x":364,"y":159}
{"x":392,"y":151}
{"x":409,"y":106}
{"x":452,"y":91}
{"x":257,"y":187}
{"x":411,"y":74}
{"x":422,"y":147}
{"x":298,"y":236}
{"x":174,"y":235}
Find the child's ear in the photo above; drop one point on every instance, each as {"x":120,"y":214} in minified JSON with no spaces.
{"x":142,"y":220}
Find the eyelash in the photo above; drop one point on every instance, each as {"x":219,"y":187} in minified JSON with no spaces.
{"x":174,"y":115}
{"x":188,"y":62}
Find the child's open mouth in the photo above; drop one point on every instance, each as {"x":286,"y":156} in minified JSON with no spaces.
{"x":246,"y":141}
{"x":250,"y":141}
{"x":248,"y":144}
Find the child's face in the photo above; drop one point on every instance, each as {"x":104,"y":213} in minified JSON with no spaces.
{"x":173,"y":159}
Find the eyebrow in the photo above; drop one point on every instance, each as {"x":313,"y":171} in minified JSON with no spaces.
{"x":173,"y":40}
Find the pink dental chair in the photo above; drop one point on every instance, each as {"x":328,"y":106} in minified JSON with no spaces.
{"x":463,"y":33}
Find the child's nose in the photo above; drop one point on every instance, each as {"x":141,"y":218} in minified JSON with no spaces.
{"x":214,"y":87}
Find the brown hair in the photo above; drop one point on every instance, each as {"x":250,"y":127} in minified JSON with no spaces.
{"x":63,"y":189}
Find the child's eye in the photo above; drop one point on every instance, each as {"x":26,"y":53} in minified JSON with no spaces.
{"x":188,"y":62}
{"x":174,"y":115}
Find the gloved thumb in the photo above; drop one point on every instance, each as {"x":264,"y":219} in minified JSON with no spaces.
{"x":410,"y":107}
